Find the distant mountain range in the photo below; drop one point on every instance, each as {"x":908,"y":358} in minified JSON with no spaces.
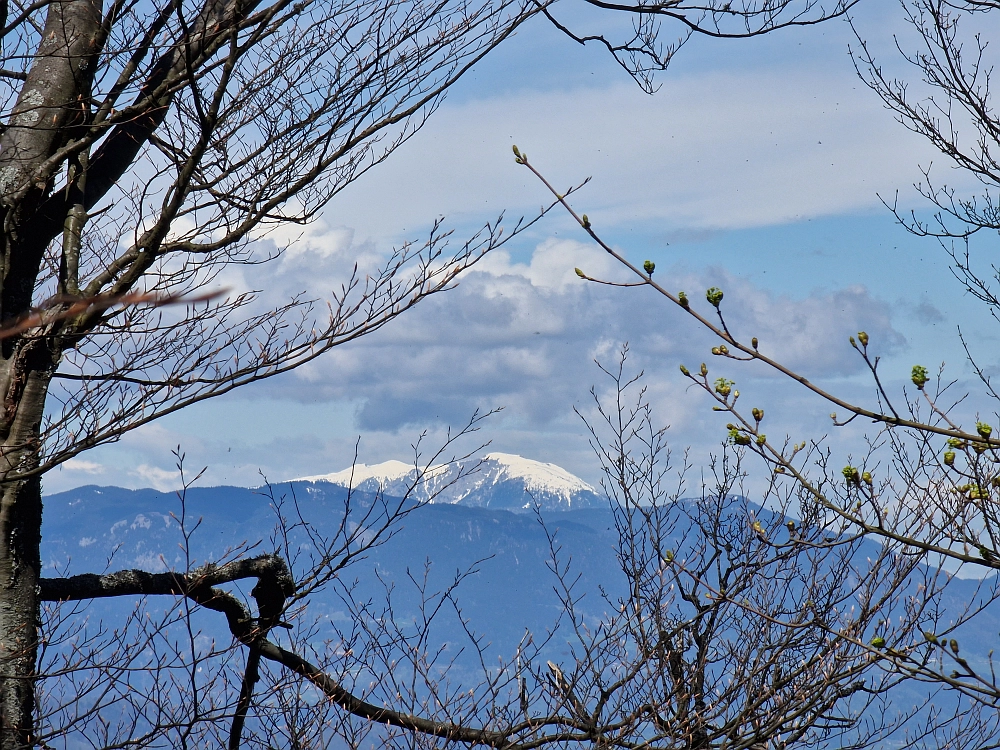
{"x":501,"y":481}
{"x":475,"y":523}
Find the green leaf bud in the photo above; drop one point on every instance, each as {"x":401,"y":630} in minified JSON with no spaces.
{"x":704,"y":369}
{"x":779,"y":469}
{"x":919,"y":376}
{"x":878,"y":641}
{"x":866,"y":477}
{"x":724,"y":387}
{"x":753,"y":343}
{"x":851,"y":475}
{"x":984,"y":430}
{"x":517,"y":156}
{"x":853,"y":342}
{"x":649,"y":266}
{"x":949,"y":458}
{"x":714,"y":296}
{"x":761,"y":439}
{"x":585,"y":222}
{"x":954,"y":646}
{"x":791,"y":527}
{"x":863,"y":338}
{"x":684,"y":370}
{"x":955,"y":443}
{"x":738,"y":438}
{"x":580,"y":273}
{"x":683,"y":299}
{"x":758,"y":414}
{"x":930,"y":637}
{"x":668,"y":556}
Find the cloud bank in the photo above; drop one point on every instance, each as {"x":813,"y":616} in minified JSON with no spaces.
{"x":716,"y":150}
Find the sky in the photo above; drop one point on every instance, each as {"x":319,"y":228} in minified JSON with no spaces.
{"x":760,"y":166}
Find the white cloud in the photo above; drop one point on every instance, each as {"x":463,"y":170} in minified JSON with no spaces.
{"x":524,"y":335}
{"x":716,"y":150}
{"x":85,"y":467}
{"x":153,"y":476}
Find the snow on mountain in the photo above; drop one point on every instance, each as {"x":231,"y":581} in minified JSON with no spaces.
{"x":498,"y":480}
{"x":388,"y":471}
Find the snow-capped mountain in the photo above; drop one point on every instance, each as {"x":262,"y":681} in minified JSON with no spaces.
{"x":498,"y":480}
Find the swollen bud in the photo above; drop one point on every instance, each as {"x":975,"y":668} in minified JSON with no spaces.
{"x":919,"y":376}
{"x":851,"y":475}
{"x":724,"y":387}
{"x":585,"y":222}
{"x":954,"y":646}
{"x":878,"y":641}
{"x":649,"y":266}
{"x":714,"y":296}
{"x":753,"y":343}
{"x":580,"y":273}
{"x":758,"y":414}
{"x":738,"y":438}
{"x":704,"y":369}
{"x":984,"y":430}
{"x":684,"y":370}
{"x":866,"y":477}
{"x":863,"y":338}
{"x":517,"y":156}
{"x":683,"y":299}
{"x":949,"y":458}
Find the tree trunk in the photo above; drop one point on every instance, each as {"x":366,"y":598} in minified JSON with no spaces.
{"x":20,"y":565}
{"x":53,"y":99}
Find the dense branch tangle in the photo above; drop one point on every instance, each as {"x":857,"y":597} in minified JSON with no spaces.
{"x":148,"y":146}
{"x":719,"y":640}
{"x":930,"y":502}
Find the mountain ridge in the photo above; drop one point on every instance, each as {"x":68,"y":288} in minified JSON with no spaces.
{"x":503,"y":481}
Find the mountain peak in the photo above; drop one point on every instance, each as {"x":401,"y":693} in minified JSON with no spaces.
{"x":353,"y":476}
{"x":498,"y":480}
{"x":537,"y":474}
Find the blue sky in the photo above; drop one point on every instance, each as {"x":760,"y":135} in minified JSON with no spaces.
{"x":757,"y":167}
